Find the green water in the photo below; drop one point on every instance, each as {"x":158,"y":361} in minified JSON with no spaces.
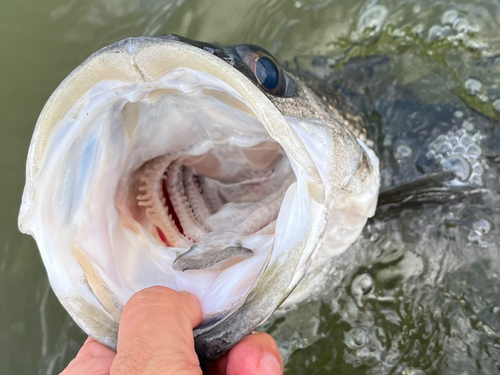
{"x":433,"y":306}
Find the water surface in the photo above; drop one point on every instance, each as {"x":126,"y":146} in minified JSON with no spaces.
{"x":419,"y":292}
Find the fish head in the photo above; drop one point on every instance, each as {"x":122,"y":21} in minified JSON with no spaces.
{"x":200,"y":167}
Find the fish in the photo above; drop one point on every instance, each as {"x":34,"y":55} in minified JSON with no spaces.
{"x":201,"y":167}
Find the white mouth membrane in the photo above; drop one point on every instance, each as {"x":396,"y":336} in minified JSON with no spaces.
{"x":99,"y":174}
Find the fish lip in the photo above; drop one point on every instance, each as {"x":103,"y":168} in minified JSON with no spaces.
{"x":144,"y":59}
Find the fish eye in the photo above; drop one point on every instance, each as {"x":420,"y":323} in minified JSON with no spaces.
{"x":267,"y":73}
{"x":264,"y":69}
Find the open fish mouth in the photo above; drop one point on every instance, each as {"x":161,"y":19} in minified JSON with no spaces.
{"x":208,"y":169}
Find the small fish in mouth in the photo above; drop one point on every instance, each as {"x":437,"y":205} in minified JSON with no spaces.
{"x":200,"y":167}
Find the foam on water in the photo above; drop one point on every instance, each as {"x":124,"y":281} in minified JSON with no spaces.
{"x":372,"y":20}
{"x":460,"y":151}
{"x":473,"y":86}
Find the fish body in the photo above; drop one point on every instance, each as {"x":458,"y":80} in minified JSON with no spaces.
{"x":200,"y":167}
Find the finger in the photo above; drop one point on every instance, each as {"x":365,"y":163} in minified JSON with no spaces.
{"x":256,"y":354}
{"x":218,"y":367}
{"x":92,"y":366}
{"x":156,"y":332}
{"x":92,"y":349}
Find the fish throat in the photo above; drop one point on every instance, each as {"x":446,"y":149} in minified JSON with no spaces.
{"x":190,"y":203}
{"x":202,"y":186}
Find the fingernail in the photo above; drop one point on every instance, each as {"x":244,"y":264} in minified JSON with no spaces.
{"x":269,"y":365}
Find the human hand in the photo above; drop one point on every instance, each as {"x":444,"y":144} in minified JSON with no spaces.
{"x":156,"y":337}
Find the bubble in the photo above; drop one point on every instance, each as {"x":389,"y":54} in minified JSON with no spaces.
{"x":446,"y":30}
{"x":473,"y":150}
{"x":440,"y":138}
{"x":477,"y":137}
{"x":476,"y":179}
{"x":458,"y":115}
{"x":438,"y":158}
{"x":362,"y":285}
{"x":398,"y":33}
{"x":297,"y":4}
{"x":458,"y":165}
{"x":402,"y":152}
{"x":482,"y":226}
{"x":460,"y":132}
{"x":474,"y":236}
{"x":418,"y":29}
{"x":483,"y":98}
{"x":484,"y":244}
{"x":478,"y":168}
{"x":430,"y":154}
{"x":472,"y":159}
{"x":355,"y":338}
{"x":449,"y":216}
{"x":468,"y":126}
{"x":449,"y":16}
{"x":473,"y":86}
{"x":476,"y":44}
{"x":453,"y":140}
{"x":372,"y":19}
{"x":443,"y":148}
{"x":459,"y":149}
{"x":461,"y":25}
{"x":466,"y":140}
{"x":416,"y":9}
{"x":435,"y":33}
{"x":496,"y":105}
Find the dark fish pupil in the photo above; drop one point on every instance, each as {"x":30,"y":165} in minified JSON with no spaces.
{"x":267,"y":73}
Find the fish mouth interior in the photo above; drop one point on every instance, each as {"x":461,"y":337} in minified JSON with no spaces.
{"x":214,"y":193}
{"x":174,"y":181}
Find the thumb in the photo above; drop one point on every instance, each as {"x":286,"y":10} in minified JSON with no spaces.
{"x":156,"y":334}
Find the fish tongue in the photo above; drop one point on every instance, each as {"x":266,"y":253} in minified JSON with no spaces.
{"x":221,"y":250}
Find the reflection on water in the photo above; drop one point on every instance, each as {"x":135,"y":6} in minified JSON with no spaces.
{"x":419,"y":292}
